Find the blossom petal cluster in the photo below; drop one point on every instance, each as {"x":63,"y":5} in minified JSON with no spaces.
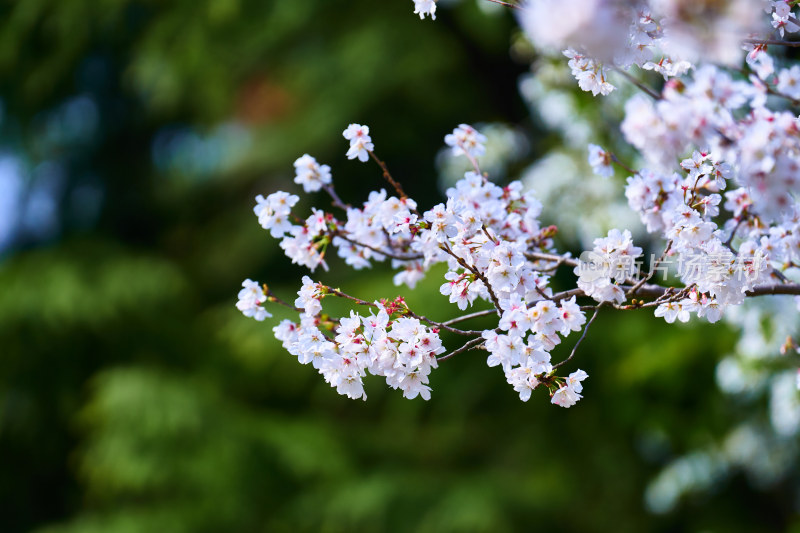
{"x":483,"y":234}
{"x":425,"y":7}
{"x":718,"y":188}
{"x":251,"y":298}
{"x":273,"y":212}
{"x":400,"y":349}
{"x":310,"y":174}
{"x":466,"y":140}
{"x":611,"y":263}
{"x":665,"y":36}
{"x":360,"y":142}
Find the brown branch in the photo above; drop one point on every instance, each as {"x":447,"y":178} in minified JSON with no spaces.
{"x":444,"y":326}
{"x":655,"y":291}
{"x":650,"y":274}
{"x":272,"y":298}
{"x":775,"y":289}
{"x":771,"y":90}
{"x":467,"y":346}
{"x":567,"y":294}
{"x":506,"y":4}
{"x":558,"y":259}
{"x":408,"y":312}
{"x":388,"y":177}
{"x":661,"y":294}
{"x":776,"y":42}
{"x":337,"y":202}
{"x":470,"y":316}
{"x":375,"y":249}
{"x":616,"y":160}
{"x":583,"y":336}
{"x":728,"y":243}
{"x":477,"y":273}
{"x":340,"y":294}
{"x":641,"y":86}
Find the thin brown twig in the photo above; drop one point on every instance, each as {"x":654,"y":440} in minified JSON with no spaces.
{"x":616,"y":160}
{"x":375,"y":249}
{"x":337,"y":202}
{"x":652,"y":272}
{"x":467,"y":346}
{"x":486,"y":232}
{"x":728,"y":244}
{"x":661,"y":294}
{"x":477,"y":273}
{"x":470,"y":316}
{"x":778,"y":274}
{"x":776,"y":42}
{"x":407,"y":312}
{"x":641,"y":86}
{"x":466,"y":333}
{"x":542,"y":293}
{"x":559,"y":259}
{"x":340,"y":294}
{"x":771,"y":90}
{"x":272,"y":298}
{"x":388,"y":177}
{"x":567,"y":294}
{"x":506,"y":4}
{"x":583,"y":336}
{"x":775,"y":92}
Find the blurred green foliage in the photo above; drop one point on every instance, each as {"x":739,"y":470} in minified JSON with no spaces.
{"x":135,"y":398}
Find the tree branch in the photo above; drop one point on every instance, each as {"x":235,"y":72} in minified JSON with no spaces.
{"x":776,"y":42}
{"x":375,"y":249}
{"x":583,"y":336}
{"x":477,"y":273}
{"x":470,"y":316}
{"x":337,"y":202}
{"x":559,"y":259}
{"x":644,"y":88}
{"x":467,"y":346}
{"x":388,"y":177}
{"x":512,"y":6}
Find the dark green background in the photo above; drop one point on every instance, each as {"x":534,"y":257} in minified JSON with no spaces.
{"x":134,"y":397}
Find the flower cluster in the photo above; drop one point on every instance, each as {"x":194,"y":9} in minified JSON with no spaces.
{"x":604,"y":269}
{"x":526,"y":361}
{"x":590,"y":73}
{"x":400,"y":349}
{"x":425,"y":7}
{"x":718,"y":185}
{"x":466,"y":140}
{"x":600,"y":161}
{"x":273,"y":212}
{"x":483,"y":233}
{"x":360,"y":142}
{"x":569,"y":393}
{"x":664,"y":36}
{"x":310,"y":174}
{"x":251,"y":298}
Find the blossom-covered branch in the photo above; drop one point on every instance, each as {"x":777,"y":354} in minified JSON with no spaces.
{"x":717,"y":187}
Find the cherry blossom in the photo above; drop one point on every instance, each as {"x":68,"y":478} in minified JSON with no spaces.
{"x":250,"y":299}
{"x":425,"y":7}
{"x":360,"y":142}
{"x":466,"y":140}
{"x":310,"y":174}
{"x":600,"y":161}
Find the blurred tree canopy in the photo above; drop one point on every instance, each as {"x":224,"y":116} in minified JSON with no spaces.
{"x":133,"y":395}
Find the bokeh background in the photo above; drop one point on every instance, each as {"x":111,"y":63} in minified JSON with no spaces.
{"x":134,"y":397}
